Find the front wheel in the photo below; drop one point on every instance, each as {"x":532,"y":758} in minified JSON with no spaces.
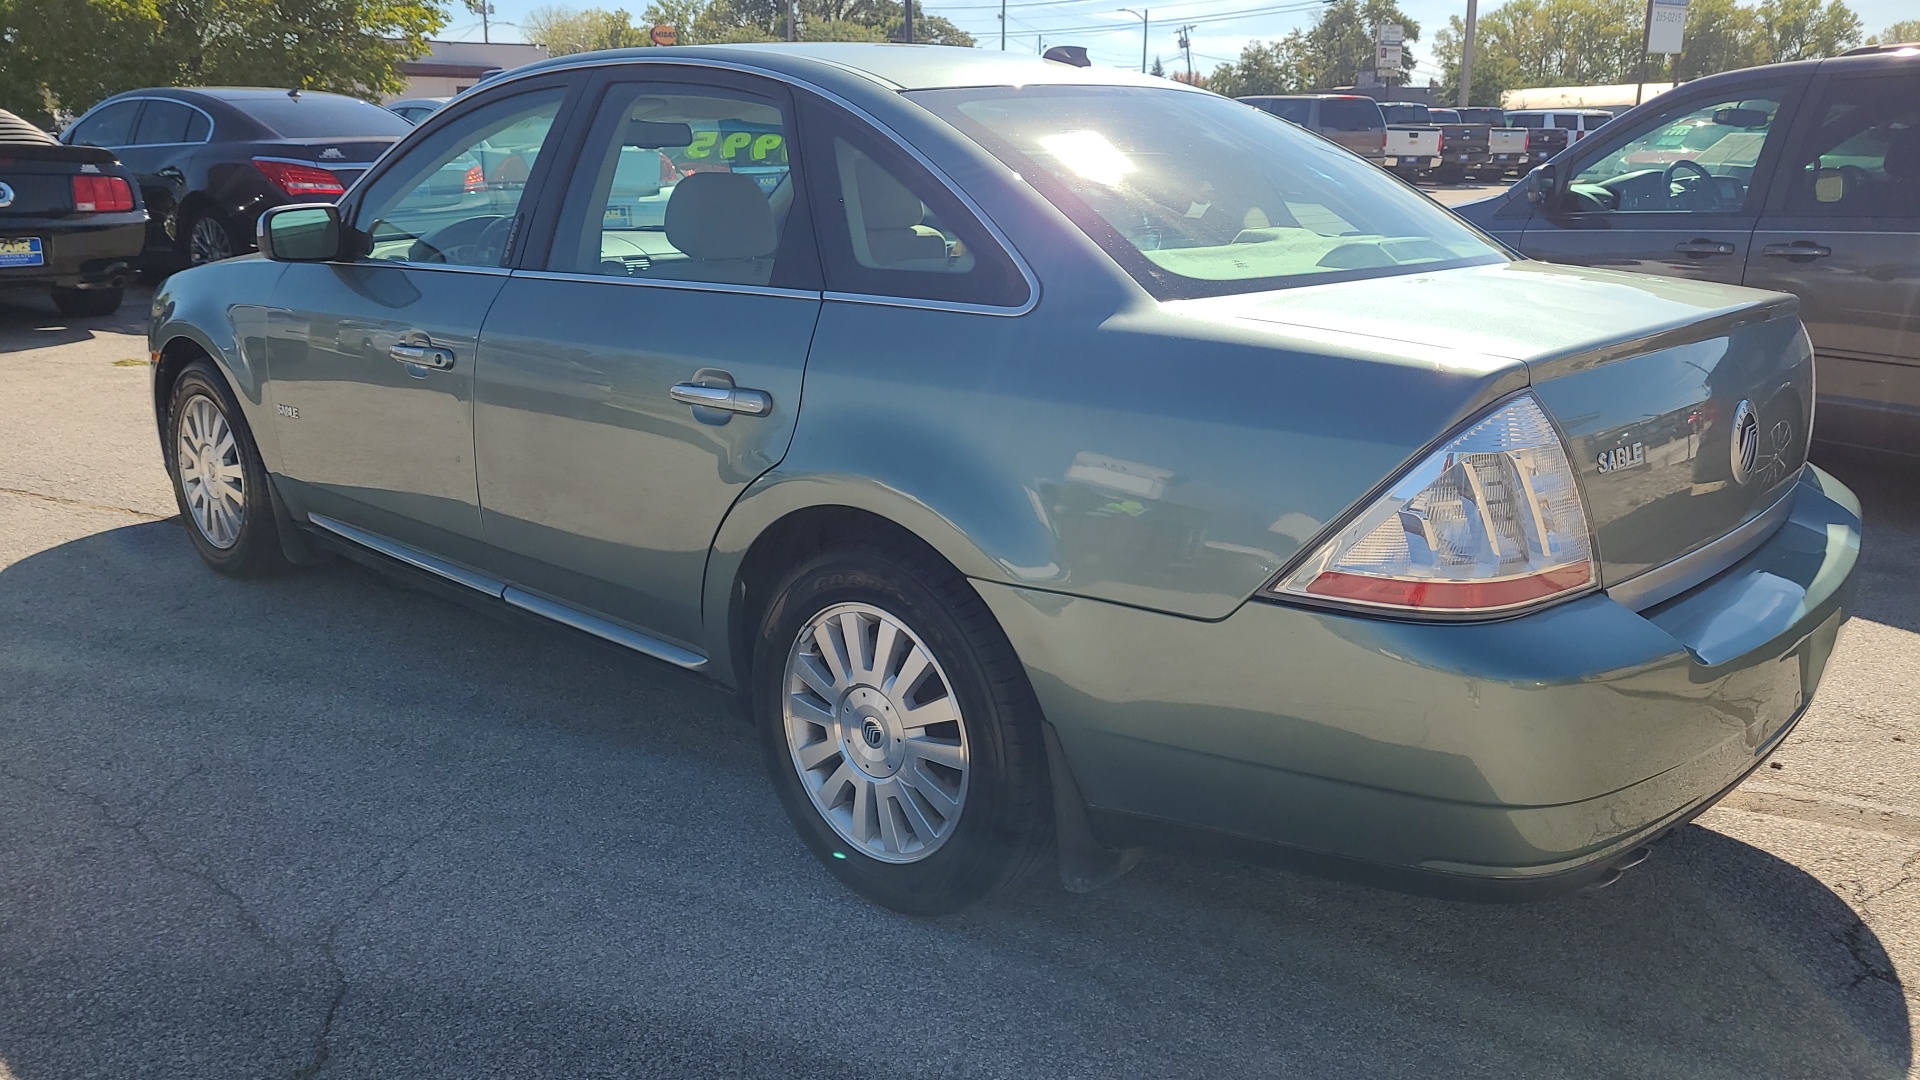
{"x":218,"y":478}
{"x":899,"y":729}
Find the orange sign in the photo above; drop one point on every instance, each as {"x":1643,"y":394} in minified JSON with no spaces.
{"x":665,"y":35}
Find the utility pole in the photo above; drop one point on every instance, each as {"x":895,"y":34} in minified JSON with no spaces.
{"x":1003,"y":25}
{"x":1142,"y":16}
{"x":1186,"y":46}
{"x":1466,"y":57}
{"x":484,"y":9}
{"x":793,"y":20}
{"x":1646,"y":42}
{"x":907,"y":32}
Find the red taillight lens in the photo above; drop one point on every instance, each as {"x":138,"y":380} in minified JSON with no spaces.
{"x":301,"y":181}
{"x":101,"y":194}
{"x":476,"y":181}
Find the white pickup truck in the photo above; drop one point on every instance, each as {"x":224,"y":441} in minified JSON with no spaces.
{"x":1412,"y":150}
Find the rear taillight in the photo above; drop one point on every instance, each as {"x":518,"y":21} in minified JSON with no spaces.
{"x":1491,"y":523}
{"x":1439,"y":141}
{"x":101,"y":194}
{"x":476,"y":181}
{"x":300,"y":181}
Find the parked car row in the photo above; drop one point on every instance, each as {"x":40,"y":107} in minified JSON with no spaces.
{"x":1421,"y":142}
{"x":1802,"y":178}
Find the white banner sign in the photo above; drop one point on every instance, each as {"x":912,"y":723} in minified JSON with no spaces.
{"x":1390,"y":34}
{"x":1387,"y":58}
{"x":1668,"y":27}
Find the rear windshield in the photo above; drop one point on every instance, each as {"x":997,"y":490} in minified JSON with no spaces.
{"x":1483,"y":116}
{"x":1195,"y":195}
{"x":1350,"y":114}
{"x":1443,"y":116}
{"x":1403,"y":113}
{"x":1293,"y":109}
{"x":1526,"y":120}
{"x":323,"y":116}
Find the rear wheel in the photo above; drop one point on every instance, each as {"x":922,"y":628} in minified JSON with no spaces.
{"x":218,"y":478}
{"x":209,"y":240}
{"x":80,"y":303}
{"x":899,"y":729}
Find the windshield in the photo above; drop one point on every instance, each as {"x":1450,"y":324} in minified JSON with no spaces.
{"x":322,"y":116}
{"x":1526,"y":120}
{"x":1197,"y":195}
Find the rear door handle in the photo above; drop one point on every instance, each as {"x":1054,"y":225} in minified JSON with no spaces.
{"x":426,"y":356}
{"x":728,"y":398}
{"x":1703,"y":247}
{"x":1799,"y":249}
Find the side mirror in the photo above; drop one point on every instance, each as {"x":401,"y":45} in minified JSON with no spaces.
{"x":1543,"y":185}
{"x":304,"y":233}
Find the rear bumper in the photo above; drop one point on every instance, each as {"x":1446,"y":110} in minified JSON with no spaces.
{"x":1513,"y":758}
{"x":97,"y":254}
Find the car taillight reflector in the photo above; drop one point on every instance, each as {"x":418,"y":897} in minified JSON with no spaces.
{"x":1490,"y":523}
{"x":300,"y":181}
{"x":476,"y":181}
{"x":101,"y":194}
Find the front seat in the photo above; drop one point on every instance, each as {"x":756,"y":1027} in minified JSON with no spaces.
{"x":723,"y":225}
{"x":1902,"y":166}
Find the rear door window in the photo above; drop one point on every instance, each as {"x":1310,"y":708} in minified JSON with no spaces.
{"x":1300,"y":112}
{"x":163,"y":122}
{"x":1862,"y":156}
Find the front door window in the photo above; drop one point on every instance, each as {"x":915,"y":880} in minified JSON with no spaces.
{"x":452,"y":199}
{"x":1697,"y":158}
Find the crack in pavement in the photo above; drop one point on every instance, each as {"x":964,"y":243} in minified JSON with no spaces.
{"x":322,"y":1050}
{"x":85,"y":505}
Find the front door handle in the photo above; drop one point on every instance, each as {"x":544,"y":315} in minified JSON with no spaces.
{"x":1799,"y":249}
{"x":729,"y":398}
{"x":1698,"y":246}
{"x":426,"y":356}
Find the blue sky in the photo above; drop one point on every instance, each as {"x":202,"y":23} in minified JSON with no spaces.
{"x":1221,"y":26}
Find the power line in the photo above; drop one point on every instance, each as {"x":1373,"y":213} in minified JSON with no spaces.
{"x":1225,"y":16}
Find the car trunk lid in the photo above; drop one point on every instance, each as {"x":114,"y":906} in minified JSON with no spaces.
{"x":1686,"y":406}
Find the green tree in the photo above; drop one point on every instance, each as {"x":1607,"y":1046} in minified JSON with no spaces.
{"x":565,"y":30}
{"x":1264,"y":67}
{"x":1158,"y":70}
{"x":1721,"y":36}
{"x":59,"y":57}
{"x":1806,"y":29}
{"x":1339,"y":45}
{"x":1900,"y":33}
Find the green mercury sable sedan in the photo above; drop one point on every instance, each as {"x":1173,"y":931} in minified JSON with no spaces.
{"x":1055,"y":461}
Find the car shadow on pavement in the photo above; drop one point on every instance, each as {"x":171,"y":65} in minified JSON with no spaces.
{"x":1889,"y":489}
{"x":29,"y":316}
{"x":327,"y":826}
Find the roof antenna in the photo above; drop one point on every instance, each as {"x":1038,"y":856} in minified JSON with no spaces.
{"x":294,"y":94}
{"x":1068,"y":54}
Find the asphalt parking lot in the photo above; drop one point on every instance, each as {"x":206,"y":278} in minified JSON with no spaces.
{"x":332,"y":826}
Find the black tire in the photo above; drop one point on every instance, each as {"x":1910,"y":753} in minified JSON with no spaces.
{"x":84,"y":303}
{"x":254,"y":550}
{"x":1005,"y":825}
{"x":1449,"y":174}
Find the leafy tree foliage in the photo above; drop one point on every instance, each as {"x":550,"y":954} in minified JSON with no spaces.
{"x":59,"y":57}
{"x":1899,"y":33}
{"x":1332,"y":52}
{"x":1527,"y":43}
{"x":711,"y":22}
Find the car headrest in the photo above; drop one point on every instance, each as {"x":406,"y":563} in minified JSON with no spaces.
{"x":714,"y":215}
{"x":1903,"y":157}
{"x":885,"y":203}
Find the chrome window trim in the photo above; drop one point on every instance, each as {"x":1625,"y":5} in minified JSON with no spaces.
{"x":1664,"y":582}
{"x":211,"y":126}
{"x":445,"y":268}
{"x":993,"y":230}
{"x":670,"y":283}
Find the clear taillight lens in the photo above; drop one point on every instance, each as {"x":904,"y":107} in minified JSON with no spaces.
{"x":1490,"y":523}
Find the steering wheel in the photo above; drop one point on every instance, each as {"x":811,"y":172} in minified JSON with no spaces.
{"x":1708,"y":184}
{"x":476,"y":241}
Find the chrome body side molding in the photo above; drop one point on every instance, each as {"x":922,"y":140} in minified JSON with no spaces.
{"x":1645,"y":589}
{"x":412,"y":556}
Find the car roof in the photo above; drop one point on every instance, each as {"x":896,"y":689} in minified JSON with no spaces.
{"x":895,"y":67}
